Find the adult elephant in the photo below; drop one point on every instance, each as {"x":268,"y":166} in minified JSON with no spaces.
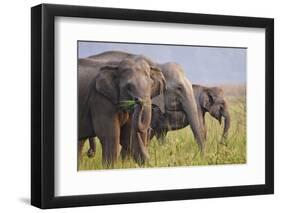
{"x":104,"y":84}
{"x":208,"y":99}
{"x":178,"y":97}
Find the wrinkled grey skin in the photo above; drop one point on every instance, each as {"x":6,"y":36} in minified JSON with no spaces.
{"x":104,"y":82}
{"x":178,"y":97}
{"x":208,"y":99}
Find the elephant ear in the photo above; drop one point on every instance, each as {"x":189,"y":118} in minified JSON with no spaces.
{"x":158,"y":81}
{"x":159,"y":101}
{"x":106,"y":82}
{"x":206,"y":99}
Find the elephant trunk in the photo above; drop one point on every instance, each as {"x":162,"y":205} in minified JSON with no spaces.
{"x":141,"y":124}
{"x":143,"y":155}
{"x":144,"y":116}
{"x":190,"y":109}
{"x":226,"y":123}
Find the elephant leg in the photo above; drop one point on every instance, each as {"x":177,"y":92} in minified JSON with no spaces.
{"x":107,"y":129}
{"x":110,"y":142}
{"x":161,"y":136}
{"x":202,"y":120}
{"x":125,"y":140}
{"x":92,"y":150}
{"x":204,"y":131}
{"x":124,"y":153}
{"x":150,"y":134}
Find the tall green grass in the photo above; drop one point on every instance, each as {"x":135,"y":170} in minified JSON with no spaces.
{"x":180,"y":148}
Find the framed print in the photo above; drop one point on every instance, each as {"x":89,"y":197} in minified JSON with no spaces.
{"x":140,"y":106}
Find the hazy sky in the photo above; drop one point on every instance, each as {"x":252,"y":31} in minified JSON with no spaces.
{"x":202,"y":65}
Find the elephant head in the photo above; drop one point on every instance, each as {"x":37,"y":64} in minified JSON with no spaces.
{"x":133,"y":79}
{"x":179,"y":96}
{"x":212,"y":100}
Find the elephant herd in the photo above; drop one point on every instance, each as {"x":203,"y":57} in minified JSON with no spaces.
{"x":126,"y":99}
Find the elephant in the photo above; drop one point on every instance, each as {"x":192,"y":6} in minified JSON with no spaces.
{"x":178,"y":97}
{"x":104,"y":84}
{"x":208,"y":99}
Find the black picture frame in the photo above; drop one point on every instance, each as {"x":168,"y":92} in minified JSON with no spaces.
{"x":43,"y":105}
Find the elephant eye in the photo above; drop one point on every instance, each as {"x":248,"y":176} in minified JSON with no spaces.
{"x":222,"y":104}
{"x":180,"y":87}
{"x":211,"y":99}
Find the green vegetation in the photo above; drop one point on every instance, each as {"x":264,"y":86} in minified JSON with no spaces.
{"x":180,"y":149}
{"x":127,"y":105}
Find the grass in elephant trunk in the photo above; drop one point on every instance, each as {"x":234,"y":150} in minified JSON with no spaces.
{"x":127,"y":105}
{"x":130,"y":104}
{"x":180,"y":149}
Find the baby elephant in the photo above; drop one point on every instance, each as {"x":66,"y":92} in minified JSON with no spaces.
{"x":208,"y":99}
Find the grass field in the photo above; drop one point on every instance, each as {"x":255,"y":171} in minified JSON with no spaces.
{"x":180,"y":149}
